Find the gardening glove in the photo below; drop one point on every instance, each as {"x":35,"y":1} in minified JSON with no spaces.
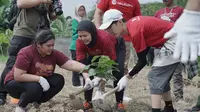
{"x":123,"y":82}
{"x":96,"y":81}
{"x":187,"y":31}
{"x":88,"y":84}
{"x":44,"y":83}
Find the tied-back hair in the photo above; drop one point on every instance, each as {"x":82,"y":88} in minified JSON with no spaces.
{"x":43,"y":36}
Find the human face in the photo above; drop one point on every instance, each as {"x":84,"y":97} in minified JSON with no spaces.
{"x":81,"y":11}
{"x":85,"y":37}
{"x":168,"y":2}
{"x":116,"y":28}
{"x":46,"y":48}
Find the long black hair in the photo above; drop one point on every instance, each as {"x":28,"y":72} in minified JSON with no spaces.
{"x":43,"y":36}
{"x":88,"y":26}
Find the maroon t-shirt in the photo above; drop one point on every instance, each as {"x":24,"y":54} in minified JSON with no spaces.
{"x":29,"y":59}
{"x":105,"y":45}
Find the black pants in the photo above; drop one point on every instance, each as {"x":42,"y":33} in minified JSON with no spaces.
{"x":16,"y":43}
{"x":75,"y":75}
{"x":120,"y":52}
{"x":28,"y":92}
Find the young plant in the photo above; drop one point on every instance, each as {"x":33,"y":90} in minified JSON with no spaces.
{"x":102,"y":66}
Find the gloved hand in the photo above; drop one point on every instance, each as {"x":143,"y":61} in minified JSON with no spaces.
{"x":88,"y":83}
{"x":96,"y":81}
{"x":187,"y":31}
{"x":44,"y":83}
{"x":123,"y":82}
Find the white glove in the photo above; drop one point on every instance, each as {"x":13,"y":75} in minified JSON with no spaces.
{"x":88,"y":84}
{"x":96,"y":81}
{"x":123,"y":82}
{"x":187,"y":31}
{"x":44,"y":83}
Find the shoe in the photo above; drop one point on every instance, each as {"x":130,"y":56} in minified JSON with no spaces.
{"x":36,"y":104}
{"x":77,"y":87}
{"x":20,"y":109}
{"x":126,"y":98}
{"x":88,"y":106}
{"x":2,"y":98}
{"x":120,"y":107}
{"x":193,"y":109}
{"x":166,"y":109}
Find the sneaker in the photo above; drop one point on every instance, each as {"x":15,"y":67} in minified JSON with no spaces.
{"x":120,"y":107}
{"x":20,"y":109}
{"x":126,"y":98}
{"x":77,"y":87}
{"x":168,"y":110}
{"x":193,"y":109}
{"x":88,"y":106}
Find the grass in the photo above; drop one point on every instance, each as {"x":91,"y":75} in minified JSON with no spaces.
{"x":3,"y":58}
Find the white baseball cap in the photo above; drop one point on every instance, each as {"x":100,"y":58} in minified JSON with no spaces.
{"x":109,"y":17}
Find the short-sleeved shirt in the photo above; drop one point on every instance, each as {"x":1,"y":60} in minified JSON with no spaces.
{"x":29,"y":59}
{"x":173,"y":13}
{"x":28,"y":21}
{"x":129,"y":8}
{"x":105,"y":45}
{"x":146,"y":31}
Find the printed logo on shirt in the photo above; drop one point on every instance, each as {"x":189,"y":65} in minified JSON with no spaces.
{"x":168,"y":15}
{"x":44,"y":69}
{"x":135,"y":19}
{"x":114,"y":2}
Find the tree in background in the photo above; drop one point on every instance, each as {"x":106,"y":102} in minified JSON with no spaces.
{"x":62,"y":26}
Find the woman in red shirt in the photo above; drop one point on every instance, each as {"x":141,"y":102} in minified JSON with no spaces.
{"x":92,"y":42}
{"x":32,"y":79}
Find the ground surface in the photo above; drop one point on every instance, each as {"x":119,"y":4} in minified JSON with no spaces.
{"x":138,"y":90}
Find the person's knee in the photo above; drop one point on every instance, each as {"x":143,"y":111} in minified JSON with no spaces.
{"x":59,"y":81}
{"x":34,"y":90}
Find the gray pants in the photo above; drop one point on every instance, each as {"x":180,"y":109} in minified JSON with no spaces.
{"x":178,"y":82}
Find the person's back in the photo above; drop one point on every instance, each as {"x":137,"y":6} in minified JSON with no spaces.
{"x":149,"y":29}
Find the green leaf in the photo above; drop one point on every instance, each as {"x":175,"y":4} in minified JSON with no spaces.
{"x":92,"y":72}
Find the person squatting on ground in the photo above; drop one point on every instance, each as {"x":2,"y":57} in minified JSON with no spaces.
{"x":147,"y":32}
{"x":80,"y":14}
{"x":93,"y":42}
{"x":130,"y":8}
{"x":32,"y":79}
{"x":171,"y":13}
{"x":33,"y":16}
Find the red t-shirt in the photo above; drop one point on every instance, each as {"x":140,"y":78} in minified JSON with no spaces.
{"x":105,"y":45}
{"x":129,"y":8}
{"x":146,"y":31}
{"x":173,"y":13}
{"x":29,"y":59}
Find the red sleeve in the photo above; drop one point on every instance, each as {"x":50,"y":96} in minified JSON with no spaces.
{"x":103,"y":5}
{"x":23,"y":60}
{"x":111,"y":50}
{"x":61,"y":58}
{"x":137,"y":11}
{"x":80,"y":50}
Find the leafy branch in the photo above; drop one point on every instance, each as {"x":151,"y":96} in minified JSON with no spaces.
{"x":101,"y":66}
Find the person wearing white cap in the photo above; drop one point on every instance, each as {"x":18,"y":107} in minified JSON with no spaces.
{"x":145,"y":32}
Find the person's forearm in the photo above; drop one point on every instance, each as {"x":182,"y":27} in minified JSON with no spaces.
{"x":193,"y":5}
{"x":28,"y":3}
{"x":27,"y":78}
{"x":97,"y":19}
{"x":72,"y":65}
